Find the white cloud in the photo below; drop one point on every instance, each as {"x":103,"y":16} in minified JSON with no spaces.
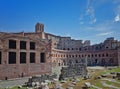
{"x":102,"y":27}
{"x":89,"y":13}
{"x":81,"y":22}
{"x":68,"y":35}
{"x":117,"y":18}
{"x":116,"y":1}
{"x":117,"y":11}
{"x":93,"y":20}
{"x":104,"y":34}
{"x":108,"y":26}
{"x":105,"y":29}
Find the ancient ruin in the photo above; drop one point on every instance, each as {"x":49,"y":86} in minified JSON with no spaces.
{"x":32,"y":53}
{"x":74,"y":69}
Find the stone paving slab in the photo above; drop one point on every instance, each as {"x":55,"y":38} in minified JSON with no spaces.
{"x":96,"y":87}
{"x":111,"y":80}
{"x":13,"y":82}
{"x":111,"y":86}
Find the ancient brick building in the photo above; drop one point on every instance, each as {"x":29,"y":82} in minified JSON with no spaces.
{"x":23,"y":55}
{"x":103,"y":54}
{"x":30,"y":53}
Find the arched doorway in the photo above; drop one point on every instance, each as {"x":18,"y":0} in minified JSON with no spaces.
{"x":59,"y":64}
{"x":103,"y":62}
{"x":96,"y":62}
{"x":111,"y":61}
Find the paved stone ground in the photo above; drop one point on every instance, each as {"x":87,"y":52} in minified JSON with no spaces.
{"x":111,"y":86}
{"x":100,"y":67}
{"x":111,"y":80}
{"x":96,"y":67}
{"x":96,"y":87}
{"x":21,"y":81}
{"x":13,"y":82}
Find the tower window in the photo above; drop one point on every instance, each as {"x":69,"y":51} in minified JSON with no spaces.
{"x":32,"y":57}
{"x":42,"y":57}
{"x":22,"y":45}
{"x":22,"y":57}
{"x":12,"y":57}
{"x":12,"y":44}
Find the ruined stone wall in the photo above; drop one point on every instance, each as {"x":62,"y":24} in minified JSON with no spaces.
{"x":73,"y":70}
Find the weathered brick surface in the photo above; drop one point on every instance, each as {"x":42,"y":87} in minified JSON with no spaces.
{"x":58,"y":50}
{"x":23,"y":69}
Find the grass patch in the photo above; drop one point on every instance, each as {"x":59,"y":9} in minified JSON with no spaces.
{"x":112,"y":70}
{"x":92,"y":88}
{"x":112,"y":83}
{"x":15,"y":87}
{"x":98,"y":84}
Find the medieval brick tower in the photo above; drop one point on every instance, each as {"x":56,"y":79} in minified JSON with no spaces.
{"x":39,"y":28}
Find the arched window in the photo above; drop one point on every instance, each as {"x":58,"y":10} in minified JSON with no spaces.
{"x":106,"y":54}
{"x":92,"y":55}
{"x":76,"y":61}
{"x":103,"y":55}
{"x":95,"y":55}
{"x":73,"y":56}
{"x":107,"y":47}
{"x":66,"y":55}
{"x":79,"y":49}
{"x":82,"y":55}
{"x":70,"y":56}
{"x":88,"y":55}
{"x":96,"y":48}
{"x":58,"y":64}
{"x":99,"y":55}
{"x":111,"y":61}
{"x":103,"y":62}
{"x":96,"y":60}
{"x":76,"y":55}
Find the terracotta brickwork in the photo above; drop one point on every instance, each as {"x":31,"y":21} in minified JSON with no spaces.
{"x":10,"y":69}
{"x":94,"y":58}
{"x":30,"y":53}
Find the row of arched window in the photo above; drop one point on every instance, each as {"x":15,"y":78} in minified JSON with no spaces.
{"x":80,"y":55}
{"x":86,"y":48}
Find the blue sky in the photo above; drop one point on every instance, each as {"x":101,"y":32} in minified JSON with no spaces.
{"x":93,"y":20}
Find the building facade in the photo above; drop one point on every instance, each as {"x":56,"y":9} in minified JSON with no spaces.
{"x":26,"y":54}
{"x":22,"y":55}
